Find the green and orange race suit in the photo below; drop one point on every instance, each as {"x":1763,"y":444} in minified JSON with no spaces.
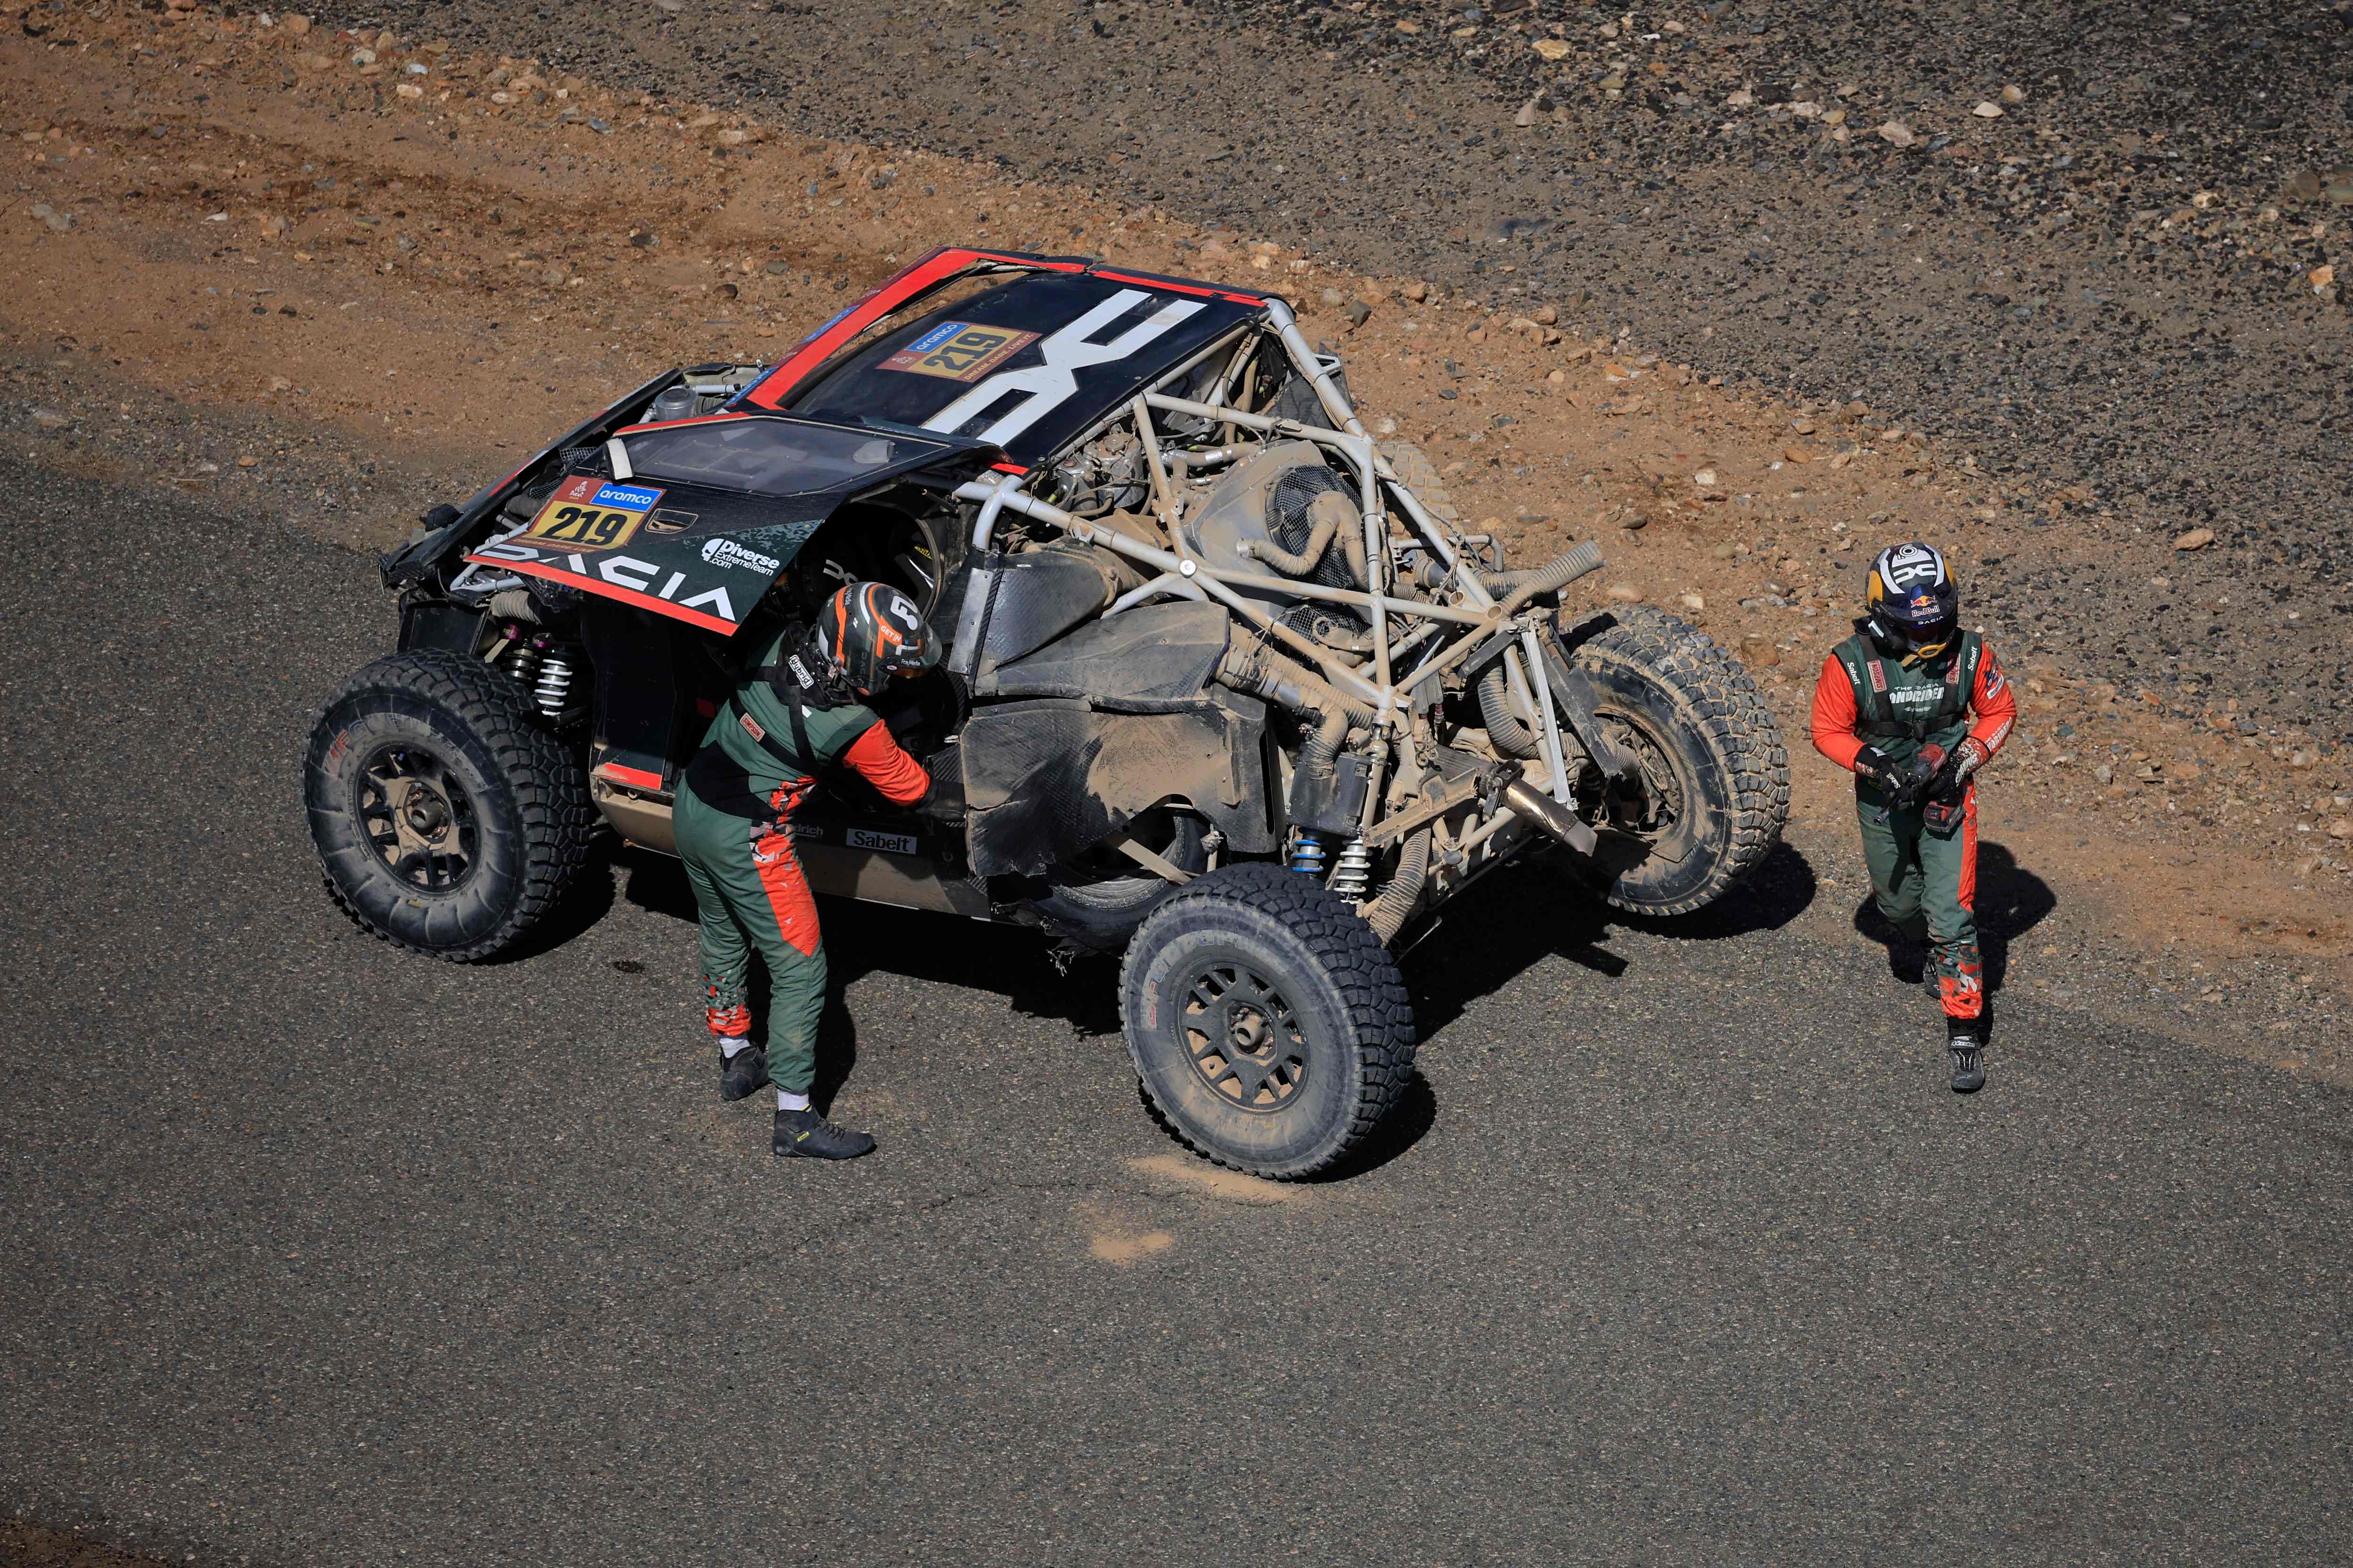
{"x":1867,"y":699}
{"x":760,"y":759}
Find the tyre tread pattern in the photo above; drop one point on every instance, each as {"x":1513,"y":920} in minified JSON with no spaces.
{"x":551,"y":795}
{"x":1380,"y":1008}
{"x":1738,"y":728}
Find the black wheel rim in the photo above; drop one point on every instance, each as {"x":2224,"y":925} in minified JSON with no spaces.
{"x":417,"y":818}
{"x":1243,"y":1038}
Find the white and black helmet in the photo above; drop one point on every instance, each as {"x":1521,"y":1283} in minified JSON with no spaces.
{"x":1912,"y":600}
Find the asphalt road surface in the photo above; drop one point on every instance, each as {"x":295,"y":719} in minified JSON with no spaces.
{"x":319,"y":1253}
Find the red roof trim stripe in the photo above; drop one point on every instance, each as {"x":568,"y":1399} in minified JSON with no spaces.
{"x":612,"y":591}
{"x":675,"y":424}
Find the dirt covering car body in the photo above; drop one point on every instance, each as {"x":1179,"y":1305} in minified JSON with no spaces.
{"x":1228,"y":689}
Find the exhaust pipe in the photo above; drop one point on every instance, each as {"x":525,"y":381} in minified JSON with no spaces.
{"x":1551,"y":815}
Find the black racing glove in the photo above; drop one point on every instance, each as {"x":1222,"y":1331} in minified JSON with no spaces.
{"x":1902,"y":783}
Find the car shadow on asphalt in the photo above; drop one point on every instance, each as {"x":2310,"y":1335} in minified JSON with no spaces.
{"x":1540,"y":907}
{"x":2011,"y":902}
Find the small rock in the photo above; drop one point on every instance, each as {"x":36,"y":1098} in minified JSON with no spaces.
{"x":727,"y":292}
{"x":1332,"y":296}
{"x":1633,"y":522}
{"x":1707,"y":477}
{"x":2322,"y":276}
{"x":1527,"y":114}
{"x":248,"y":461}
{"x":1626,"y":594}
{"x":1545,"y":315}
{"x":2196,"y":539}
{"x":50,"y":419}
{"x":1692,"y":601}
{"x":2013,"y":94}
{"x":297,"y":26}
{"x":409,"y":90}
{"x":1358,"y":313}
{"x":1740,"y":98}
{"x":2341,"y":829}
{"x":49,"y":215}
{"x":1896,"y":133}
{"x":1988,"y":111}
{"x":778,"y":268}
{"x":2204,"y":200}
{"x":363,"y":56}
{"x":1417,"y":290}
{"x":2104,"y":773}
{"x":2303,"y":185}
{"x":1802,"y":426}
{"x":1552,"y":49}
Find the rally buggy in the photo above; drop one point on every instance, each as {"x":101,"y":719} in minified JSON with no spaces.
{"x":1228,"y":689}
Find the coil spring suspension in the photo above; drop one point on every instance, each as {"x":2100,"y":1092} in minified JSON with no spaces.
{"x":1307,"y":855}
{"x":554,"y":684}
{"x":1352,"y":877}
{"x":522,"y":656}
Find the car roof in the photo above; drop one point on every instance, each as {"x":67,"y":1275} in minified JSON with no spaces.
{"x":1029,"y":366}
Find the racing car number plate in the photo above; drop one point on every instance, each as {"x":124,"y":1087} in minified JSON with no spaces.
{"x":960,"y":351}
{"x":590,"y":513}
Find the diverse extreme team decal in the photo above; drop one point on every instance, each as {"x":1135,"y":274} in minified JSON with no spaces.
{"x":959,"y":351}
{"x":590,"y":513}
{"x":711,"y":580}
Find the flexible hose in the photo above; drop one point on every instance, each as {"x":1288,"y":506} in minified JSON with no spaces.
{"x":1397,"y":901}
{"x":1310,"y":556}
{"x":1511,"y":735}
{"x":1551,"y":577}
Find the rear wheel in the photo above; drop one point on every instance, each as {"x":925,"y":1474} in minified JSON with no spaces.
{"x":446,"y":819}
{"x":1102,"y":897}
{"x":1269,"y":1026}
{"x":1715,"y":788}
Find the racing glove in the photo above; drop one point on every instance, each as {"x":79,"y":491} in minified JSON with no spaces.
{"x":1948,"y":791}
{"x":1902,"y":783}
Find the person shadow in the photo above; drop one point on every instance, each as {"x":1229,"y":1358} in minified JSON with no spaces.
{"x":2011,"y":902}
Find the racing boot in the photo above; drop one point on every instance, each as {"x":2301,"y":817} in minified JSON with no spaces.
{"x":806,"y":1135}
{"x":1966,"y":1039}
{"x":741,"y":1073}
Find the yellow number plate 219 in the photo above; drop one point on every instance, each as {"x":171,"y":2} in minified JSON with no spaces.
{"x":590,"y":513}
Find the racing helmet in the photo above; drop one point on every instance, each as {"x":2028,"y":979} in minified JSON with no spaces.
{"x":869,"y":632}
{"x":1912,"y":603}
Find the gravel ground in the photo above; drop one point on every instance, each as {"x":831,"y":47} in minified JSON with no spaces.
{"x":325,"y":1254}
{"x":2110,"y":286}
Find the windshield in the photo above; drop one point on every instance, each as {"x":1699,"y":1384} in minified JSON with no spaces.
{"x":769,"y":457}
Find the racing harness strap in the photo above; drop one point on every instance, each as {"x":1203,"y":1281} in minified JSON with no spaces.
{"x":1875,"y":712}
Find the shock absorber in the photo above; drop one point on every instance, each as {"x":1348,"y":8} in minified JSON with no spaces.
{"x":554,"y":686}
{"x":1307,"y":855}
{"x":522,"y":656}
{"x":1352,"y":877}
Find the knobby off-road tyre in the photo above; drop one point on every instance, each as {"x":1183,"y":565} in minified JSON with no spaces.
{"x":1270,"y":1028}
{"x":446,"y":820}
{"x":1419,"y":474}
{"x":1711,"y":753}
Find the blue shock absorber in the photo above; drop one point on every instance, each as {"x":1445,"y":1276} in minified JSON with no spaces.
{"x":1308,"y":854}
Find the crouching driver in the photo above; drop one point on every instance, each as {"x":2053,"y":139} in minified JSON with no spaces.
{"x":801,"y":712}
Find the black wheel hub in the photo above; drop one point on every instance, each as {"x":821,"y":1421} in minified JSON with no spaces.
{"x":1655,"y":803}
{"x":418,"y":819}
{"x":1242,"y":1037}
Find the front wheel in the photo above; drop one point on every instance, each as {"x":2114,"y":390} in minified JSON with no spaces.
{"x":1714,"y":787}
{"x":1269,"y":1026}
{"x":446,"y":819}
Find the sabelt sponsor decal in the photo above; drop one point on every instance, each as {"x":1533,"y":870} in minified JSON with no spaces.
{"x":886,"y":842}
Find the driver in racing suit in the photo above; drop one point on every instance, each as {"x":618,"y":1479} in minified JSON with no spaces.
{"x":1914,"y":707}
{"x":801,"y":712}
